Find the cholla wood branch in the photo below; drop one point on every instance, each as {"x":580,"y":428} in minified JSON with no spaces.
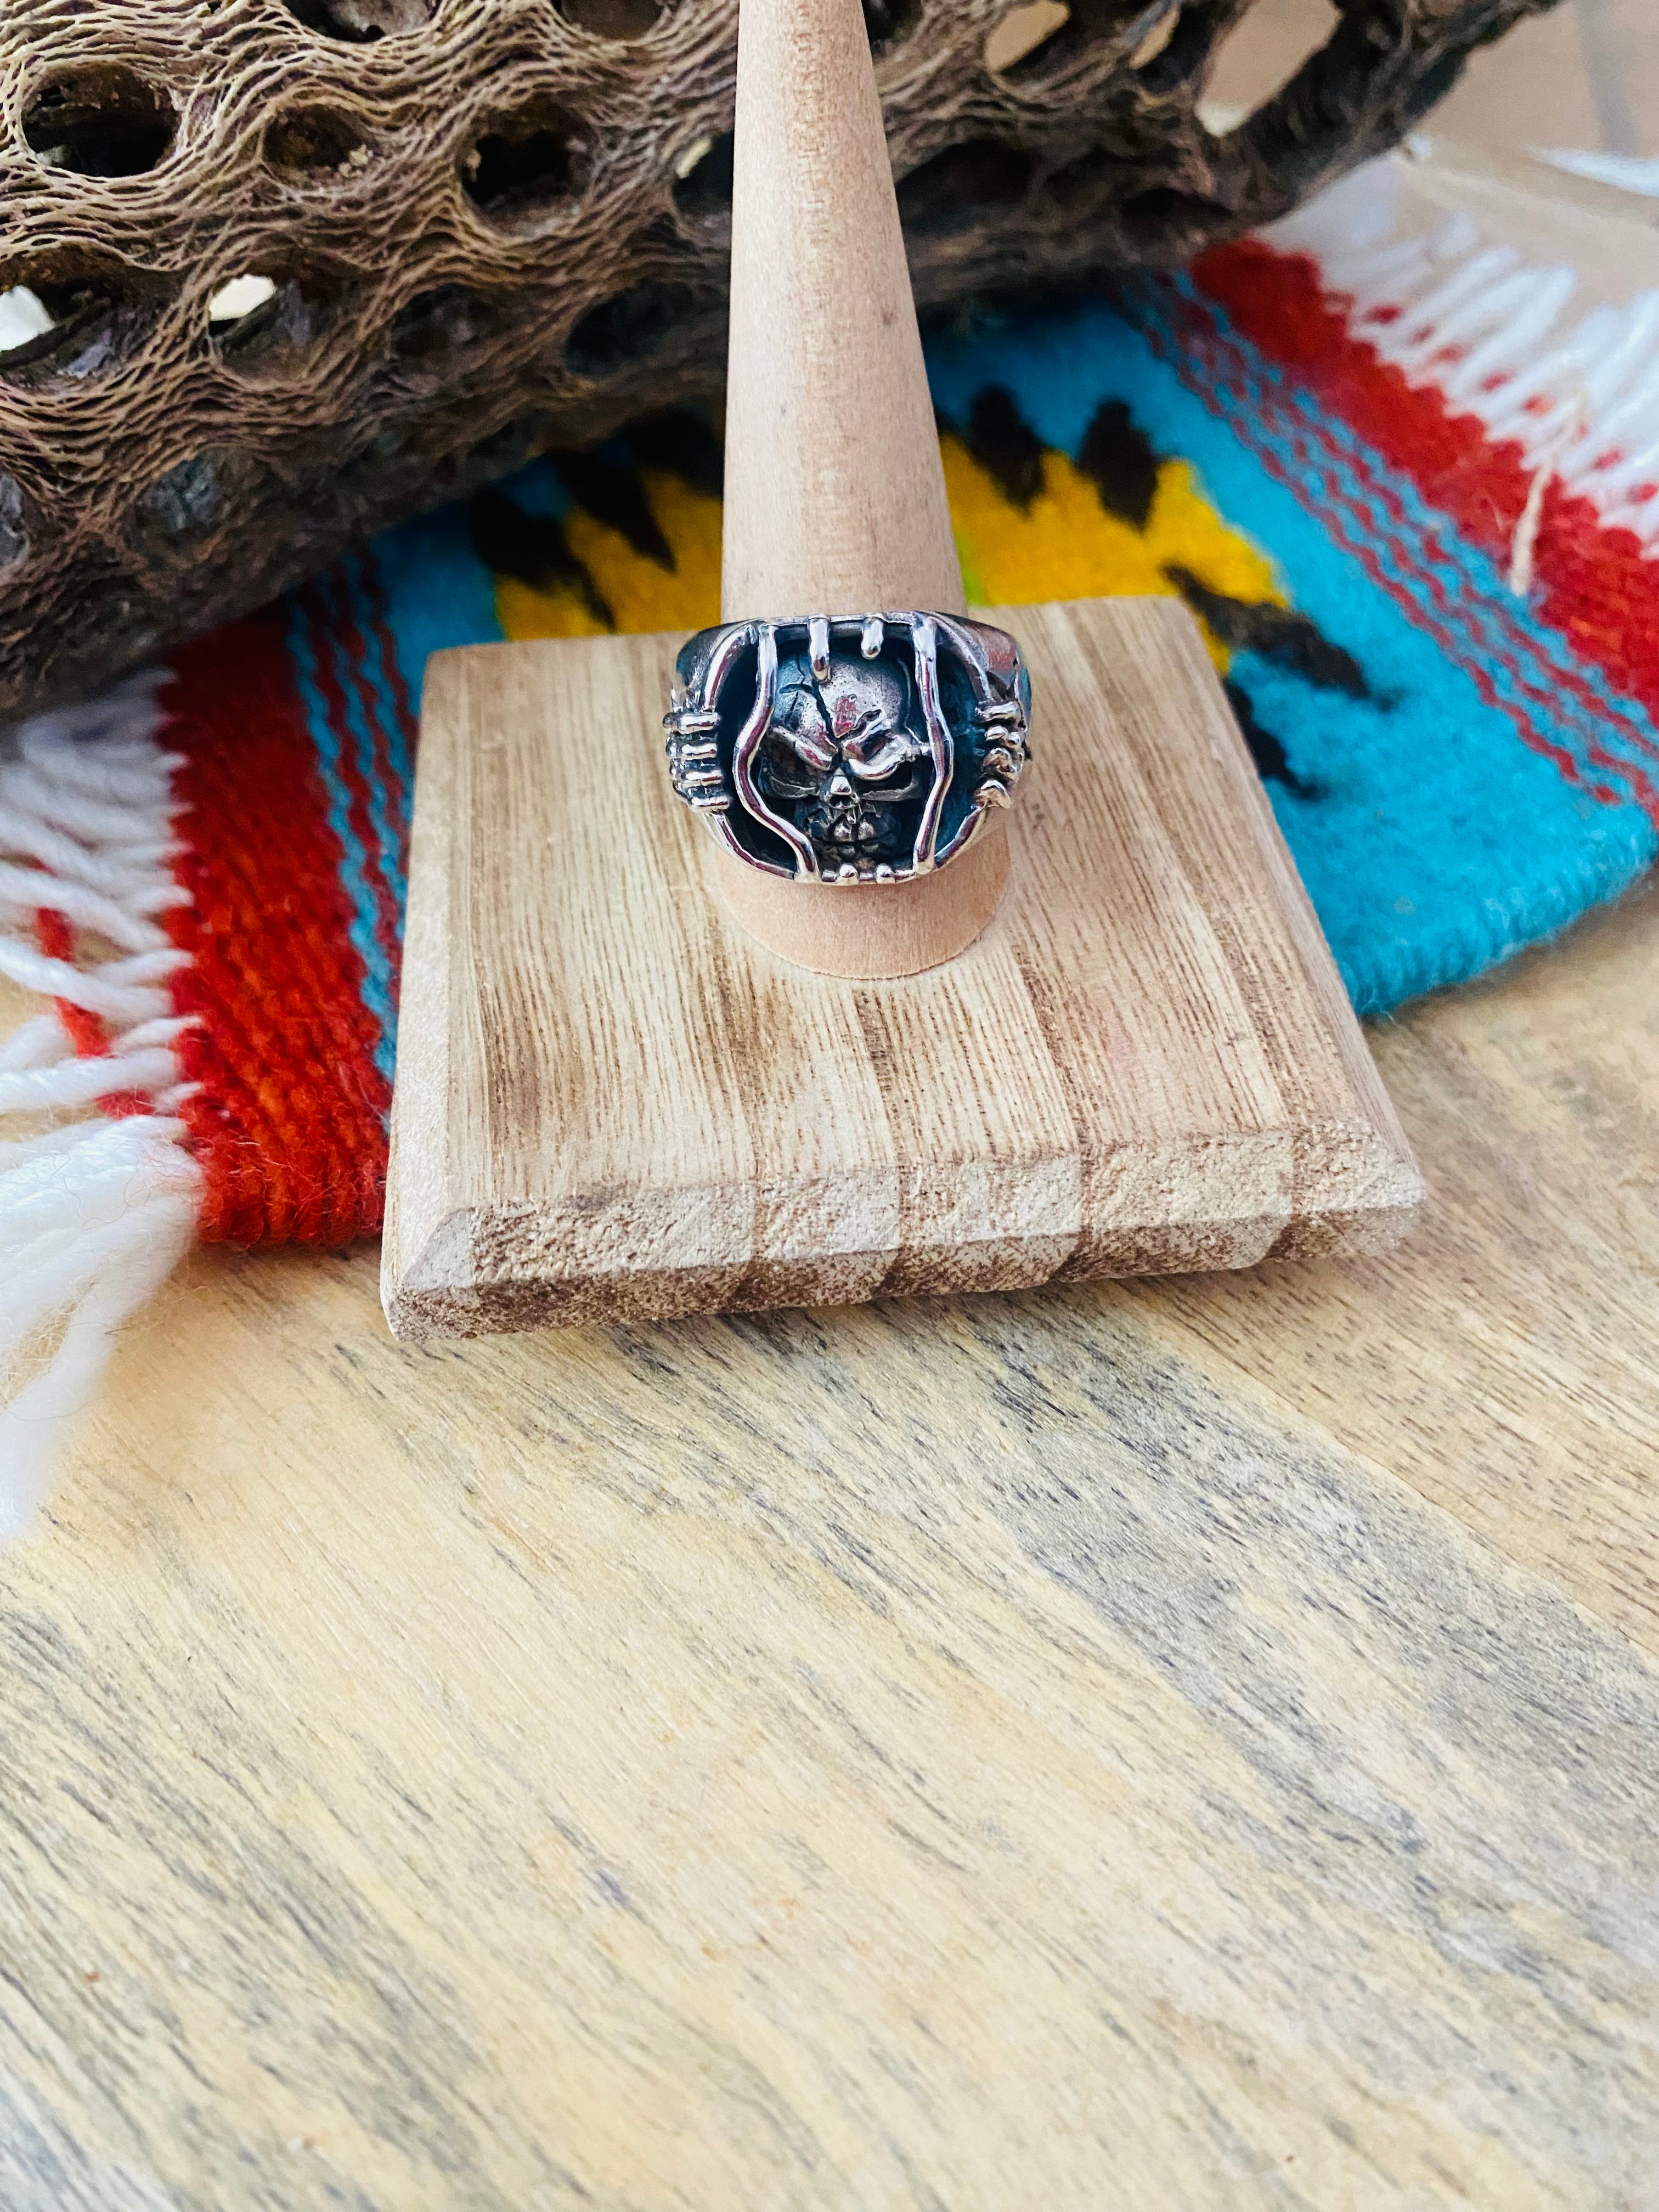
{"x":482,"y":227}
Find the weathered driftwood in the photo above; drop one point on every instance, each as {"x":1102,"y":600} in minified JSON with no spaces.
{"x":497,"y":225}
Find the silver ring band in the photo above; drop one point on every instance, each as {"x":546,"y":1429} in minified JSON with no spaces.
{"x":859,"y":749}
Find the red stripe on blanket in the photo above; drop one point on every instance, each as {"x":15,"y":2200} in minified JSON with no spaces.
{"x":1595,"y":587}
{"x":289,"y":1121}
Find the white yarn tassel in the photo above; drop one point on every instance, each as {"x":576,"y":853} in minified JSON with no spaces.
{"x":88,"y":1235}
{"x":95,"y":1214}
{"x":1581,"y":400}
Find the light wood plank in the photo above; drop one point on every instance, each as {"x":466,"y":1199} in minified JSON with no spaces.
{"x":1013,"y":1752}
{"x":351,"y":1687}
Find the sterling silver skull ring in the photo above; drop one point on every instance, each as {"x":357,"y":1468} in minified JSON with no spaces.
{"x":865,"y":748}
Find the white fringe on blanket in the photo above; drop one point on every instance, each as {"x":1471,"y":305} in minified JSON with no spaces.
{"x":94,"y":1213}
{"x":1474,"y":319}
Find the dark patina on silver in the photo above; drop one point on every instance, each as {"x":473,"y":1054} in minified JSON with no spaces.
{"x":859,"y":749}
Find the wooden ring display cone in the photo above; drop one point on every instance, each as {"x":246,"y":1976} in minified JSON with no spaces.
{"x":619,"y":1095}
{"x":834,"y":493}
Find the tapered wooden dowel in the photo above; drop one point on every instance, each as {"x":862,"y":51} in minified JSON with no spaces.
{"x":835,"y":497}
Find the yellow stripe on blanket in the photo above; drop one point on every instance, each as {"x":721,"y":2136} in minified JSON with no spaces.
{"x":1065,"y":545}
{"x":641,"y":593}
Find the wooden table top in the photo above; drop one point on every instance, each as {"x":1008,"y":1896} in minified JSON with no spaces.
{"x":1174,"y":1746}
{"x":1186,"y":1745}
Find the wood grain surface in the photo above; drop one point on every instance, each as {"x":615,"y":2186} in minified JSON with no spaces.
{"x":1173,"y":1745}
{"x":612,"y":1104}
{"x":1185,"y":1746}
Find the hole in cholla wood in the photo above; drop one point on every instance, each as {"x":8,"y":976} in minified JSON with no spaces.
{"x":239,"y":298}
{"x":1040,"y":40}
{"x":1156,"y":37}
{"x":704,"y":186}
{"x":188,"y":504}
{"x":887,"y":21}
{"x":315,"y":145}
{"x":185,"y":502}
{"x":612,"y":19}
{"x":360,"y":22}
{"x":1022,"y":30}
{"x":98,"y":121}
{"x":73,"y":316}
{"x":522,"y":163}
{"x":24,"y":317}
{"x":644,"y":324}
{"x":1252,"y":63}
{"x":259,"y":323}
{"x":444,"y":321}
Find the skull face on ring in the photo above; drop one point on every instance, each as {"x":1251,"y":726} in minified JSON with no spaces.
{"x":853,"y":749}
{"x":847,"y":761}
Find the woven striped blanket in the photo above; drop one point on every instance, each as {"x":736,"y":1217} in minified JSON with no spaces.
{"x":1415,"y":511}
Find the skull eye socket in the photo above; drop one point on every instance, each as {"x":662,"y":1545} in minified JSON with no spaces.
{"x":787,"y":775}
{"x":873,"y":755}
{"x":794,"y":731}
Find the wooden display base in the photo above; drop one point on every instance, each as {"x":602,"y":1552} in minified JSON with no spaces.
{"x":612,"y":1104}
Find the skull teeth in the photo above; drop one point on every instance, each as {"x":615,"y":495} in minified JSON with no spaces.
{"x":862,"y":871}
